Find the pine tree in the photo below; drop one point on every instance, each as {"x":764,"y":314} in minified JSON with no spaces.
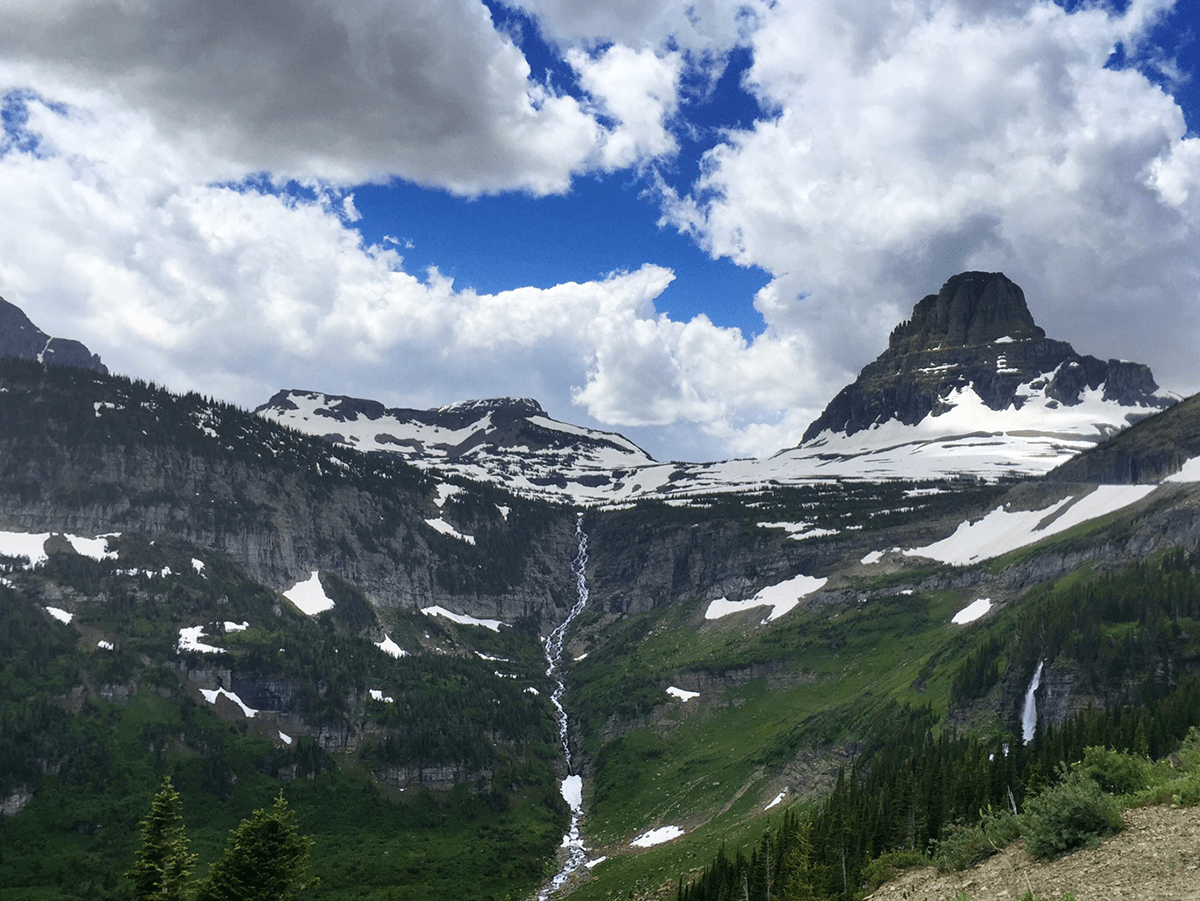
{"x":266,"y":859}
{"x":162,"y":866}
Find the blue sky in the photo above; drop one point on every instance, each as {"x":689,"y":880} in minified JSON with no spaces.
{"x":690,"y":223}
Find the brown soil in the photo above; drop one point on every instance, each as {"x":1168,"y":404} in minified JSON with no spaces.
{"x":1156,"y":858}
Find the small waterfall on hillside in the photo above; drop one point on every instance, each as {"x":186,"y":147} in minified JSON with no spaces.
{"x":572,"y":786}
{"x":1029,"y":713}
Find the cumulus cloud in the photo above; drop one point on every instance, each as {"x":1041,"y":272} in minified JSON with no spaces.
{"x":171,"y":173}
{"x":237,"y":291}
{"x":426,"y":90}
{"x":925,"y":138}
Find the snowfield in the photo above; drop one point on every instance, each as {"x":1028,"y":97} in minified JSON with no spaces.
{"x":1001,"y":530}
{"x":781,"y":598}
{"x":656,"y":836}
{"x":309,"y":596}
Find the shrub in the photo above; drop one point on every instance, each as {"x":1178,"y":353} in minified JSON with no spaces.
{"x":964,"y":846}
{"x":1115,"y":771}
{"x":885,"y":867}
{"x":1072,"y":814}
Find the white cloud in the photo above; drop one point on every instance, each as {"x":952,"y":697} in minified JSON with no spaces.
{"x":919,"y":139}
{"x":638,"y":88}
{"x":427,"y":91}
{"x":905,"y":142}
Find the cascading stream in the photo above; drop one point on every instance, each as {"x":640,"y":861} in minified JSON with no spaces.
{"x":1029,"y":713}
{"x":572,"y":786}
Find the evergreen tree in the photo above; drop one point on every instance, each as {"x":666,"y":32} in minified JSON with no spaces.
{"x":162,"y":866}
{"x":266,"y":859}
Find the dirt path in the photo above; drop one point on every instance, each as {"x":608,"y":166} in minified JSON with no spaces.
{"x":1156,"y":858}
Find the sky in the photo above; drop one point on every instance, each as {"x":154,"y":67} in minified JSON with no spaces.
{"x":691,"y":223}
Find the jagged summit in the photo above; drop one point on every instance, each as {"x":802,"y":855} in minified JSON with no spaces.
{"x":20,"y":339}
{"x":975,"y":342}
{"x":507,"y":440}
{"x":971,"y":308}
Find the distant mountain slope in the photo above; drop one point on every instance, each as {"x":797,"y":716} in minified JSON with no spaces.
{"x":1151,"y":451}
{"x":22,"y":340}
{"x":969,"y":387}
{"x":511,"y":441}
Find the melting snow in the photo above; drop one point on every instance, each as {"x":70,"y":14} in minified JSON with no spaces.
{"x":778,"y":798}
{"x":212,"y":695}
{"x":309,"y":595}
{"x":105,"y":645}
{"x":61,"y":615}
{"x":781,"y":598}
{"x":682,"y":694}
{"x":236,"y":627}
{"x":1190,"y":472}
{"x":377,"y":695}
{"x":873,"y":557}
{"x":572,"y":792}
{"x":189,"y":640}
{"x":390,"y":647}
{"x":287,"y":739}
{"x":972,"y":611}
{"x":440,"y":525}
{"x":198,"y":566}
{"x":463,"y":619}
{"x":1001,"y":531}
{"x":657,"y":836}
{"x":592,"y":863}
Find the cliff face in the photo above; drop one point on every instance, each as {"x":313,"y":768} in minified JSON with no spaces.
{"x":977,"y":332}
{"x":20,"y":339}
{"x":88,"y":454}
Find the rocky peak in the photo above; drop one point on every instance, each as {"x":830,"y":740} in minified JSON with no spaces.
{"x":975,"y":341}
{"x":20,"y":339}
{"x":972,"y":308}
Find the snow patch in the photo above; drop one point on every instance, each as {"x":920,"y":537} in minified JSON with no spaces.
{"x":61,"y":615}
{"x":189,"y":640}
{"x":390,"y":647}
{"x":972,"y":611}
{"x":440,"y":525}
{"x":287,"y":739}
{"x":377,"y":695}
{"x":656,"y":836}
{"x":309,"y":596}
{"x":778,"y":799}
{"x":212,"y":695}
{"x":781,"y":598}
{"x":1001,"y":531}
{"x":682,"y":694}
{"x":1189,"y":472}
{"x":572,"y":792}
{"x":463,"y":619}
{"x":105,"y":645}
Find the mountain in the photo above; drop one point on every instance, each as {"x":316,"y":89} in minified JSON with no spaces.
{"x":468,"y":692}
{"x":969,"y":387}
{"x":20,"y":339}
{"x":507,"y":441}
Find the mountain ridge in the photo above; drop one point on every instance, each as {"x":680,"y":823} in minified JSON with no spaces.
{"x":969,"y":387}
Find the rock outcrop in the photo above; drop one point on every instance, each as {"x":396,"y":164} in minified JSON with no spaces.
{"x":977,"y":333}
{"x":22,"y":340}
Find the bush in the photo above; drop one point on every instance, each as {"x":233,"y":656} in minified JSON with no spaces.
{"x":1116,"y":772}
{"x":1072,"y":814}
{"x":885,"y":867}
{"x":964,"y":846}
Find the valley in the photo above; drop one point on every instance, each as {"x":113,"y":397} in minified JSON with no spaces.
{"x":595,"y":683}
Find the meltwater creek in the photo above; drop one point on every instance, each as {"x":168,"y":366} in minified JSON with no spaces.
{"x":1029,"y":713}
{"x":572,"y":787}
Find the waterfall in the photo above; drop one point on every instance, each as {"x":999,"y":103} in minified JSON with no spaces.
{"x":572,"y":785}
{"x":1029,"y":714}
